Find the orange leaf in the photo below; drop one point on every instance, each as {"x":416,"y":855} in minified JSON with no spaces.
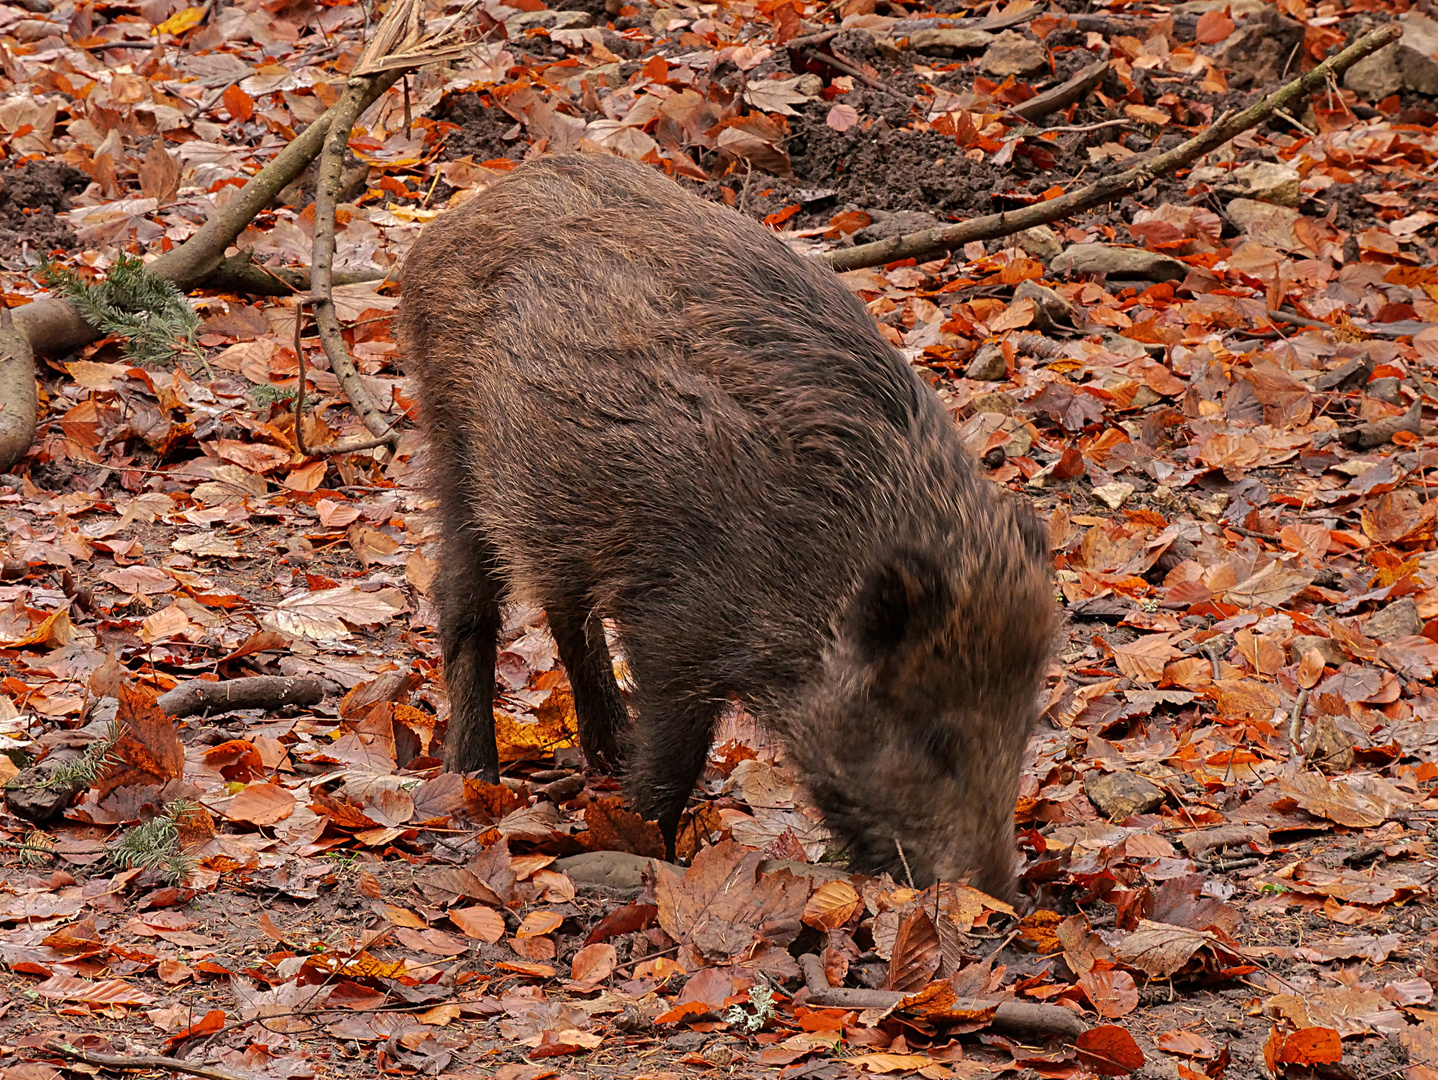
{"x":832,"y":905}
{"x":678,"y":1014}
{"x":483,"y":923}
{"x":240,"y":105}
{"x":1311,"y":1046}
{"x":594,"y":963}
{"x":1109,"y":1050}
{"x":261,"y":804}
{"x":1213,"y":27}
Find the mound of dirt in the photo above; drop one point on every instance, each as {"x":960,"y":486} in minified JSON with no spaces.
{"x":30,"y":198}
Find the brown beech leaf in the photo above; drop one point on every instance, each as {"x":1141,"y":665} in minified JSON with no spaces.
{"x":916,"y":953}
{"x":149,"y":751}
{"x":1111,"y":993}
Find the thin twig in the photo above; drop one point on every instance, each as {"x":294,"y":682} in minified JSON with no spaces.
{"x":903,"y":859}
{"x":334,"y":449}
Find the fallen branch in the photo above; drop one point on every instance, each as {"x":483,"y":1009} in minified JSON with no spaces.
{"x":1015,"y":1017}
{"x":1199,"y":843}
{"x":268,"y":692}
{"x":137,"y":1061}
{"x":19,"y":401}
{"x":52,"y":325}
{"x":327,"y":187}
{"x":1063,"y":95}
{"x":1295,"y":726}
{"x":932,"y":242}
{"x":344,"y":446}
{"x":241,"y":274}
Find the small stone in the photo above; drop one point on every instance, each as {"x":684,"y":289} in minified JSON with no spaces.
{"x":1113,"y":495}
{"x":686,"y":1040}
{"x":1117,"y":261}
{"x":1260,"y":51}
{"x":1051,"y":311}
{"x":1120,"y":795}
{"x":1407,"y":64}
{"x":1041,"y":242}
{"x":516,"y":25}
{"x":1332,"y":652}
{"x":1399,"y":619}
{"x":988,"y":364}
{"x":996,"y":401}
{"x":949,"y":40}
{"x":896,"y":223}
{"x":1269,"y":182}
{"x":1386,"y":389}
{"x":1265,"y":223}
{"x":1013,"y":54}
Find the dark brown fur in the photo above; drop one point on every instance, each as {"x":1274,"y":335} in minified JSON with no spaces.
{"x":643,"y":406}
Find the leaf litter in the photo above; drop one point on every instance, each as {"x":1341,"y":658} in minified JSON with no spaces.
{"x":1217,"y":416}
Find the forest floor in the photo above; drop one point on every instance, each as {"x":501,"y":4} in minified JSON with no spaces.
{"x":1220,"y":392}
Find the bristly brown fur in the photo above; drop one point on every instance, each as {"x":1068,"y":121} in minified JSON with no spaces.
{"x":643,"y":406}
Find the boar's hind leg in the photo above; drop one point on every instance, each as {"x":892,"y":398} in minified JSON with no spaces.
{"x":670,"y":746}
{"x":469,"y":633}
{"x":597,"y":701}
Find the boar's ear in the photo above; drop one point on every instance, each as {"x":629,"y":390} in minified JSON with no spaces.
{"x":905,"y":598}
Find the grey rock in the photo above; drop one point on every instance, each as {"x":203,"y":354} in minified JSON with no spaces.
{"x":1116,"y":261}
{"x":895,"y":223}
{"x":615,"y":869}
{"x":988,"y":364}
{"x":515,"y":25}
{"x":1051,"y":311}
{"x":1121,"y":794}
{"x":1407,"y":64}
{"x":686,"y":1040}
{"x":949,"y":41}
{"x":1259,"y":51}
{"x":1041,"y":242}
{"x":1398,"y":619}
{"x":1386,"y":389}
{"x":1013,"y":54}
{"x":1332,"y":652}
{"x":1269,"y":182}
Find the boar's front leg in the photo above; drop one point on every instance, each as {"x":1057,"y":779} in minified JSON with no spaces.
{"x":667,"y":753}
{"x":470,"y":591}
{"x":598,"y":705}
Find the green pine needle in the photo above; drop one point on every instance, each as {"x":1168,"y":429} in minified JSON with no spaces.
{"x":148,"y":312}
{"x":155,"y":845}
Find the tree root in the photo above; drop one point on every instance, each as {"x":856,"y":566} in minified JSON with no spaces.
{"x":1014,"y":1017}
{"x":19,"y":401}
